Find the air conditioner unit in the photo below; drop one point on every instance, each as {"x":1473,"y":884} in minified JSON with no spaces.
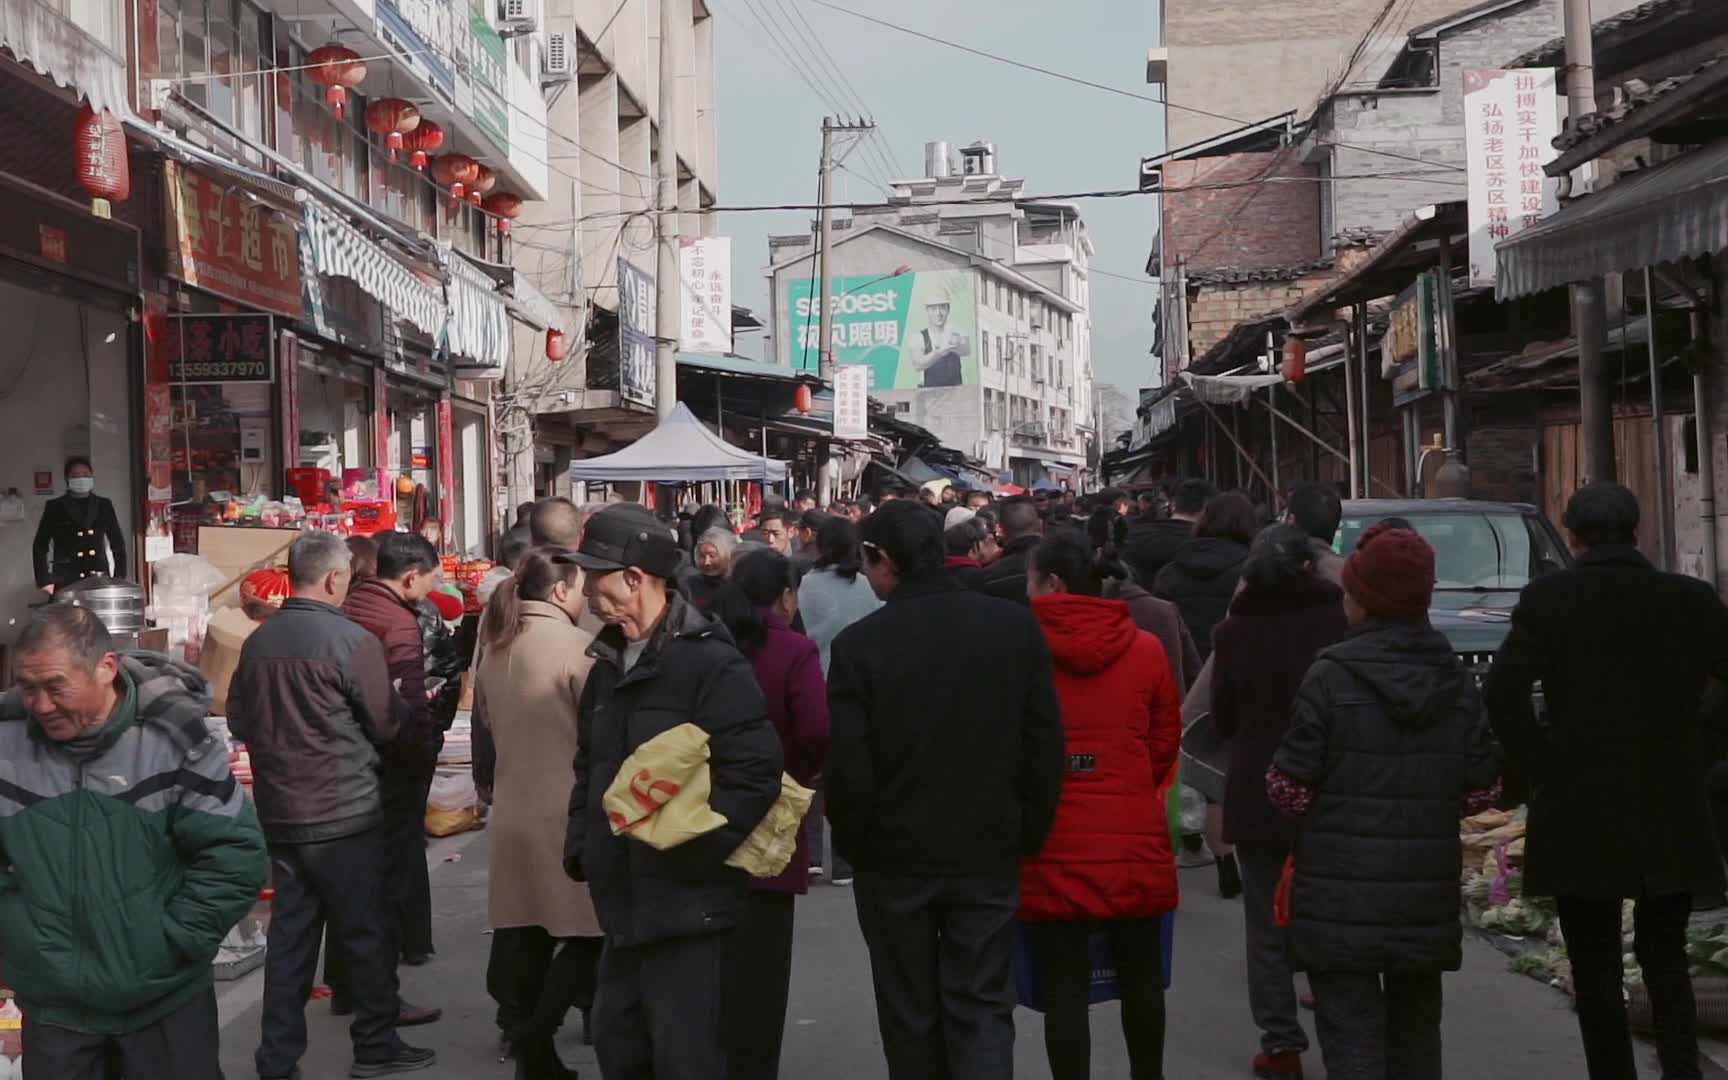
{"x":558,"y":62}
{"x":519,"y":16}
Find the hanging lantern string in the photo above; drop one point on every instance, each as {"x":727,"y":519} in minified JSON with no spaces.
{"x":283,"y":69}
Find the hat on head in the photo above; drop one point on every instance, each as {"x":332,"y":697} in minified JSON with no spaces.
{"x":625,"y":535}
{"x":1391,"y":574}
{"x":958,"y":516}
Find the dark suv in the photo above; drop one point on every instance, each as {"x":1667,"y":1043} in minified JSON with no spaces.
{"x":1484,"y":555}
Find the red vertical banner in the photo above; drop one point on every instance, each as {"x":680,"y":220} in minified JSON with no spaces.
{"x":447,"y":493}
{"x":288,"y":389}
{"x":381,"y":432}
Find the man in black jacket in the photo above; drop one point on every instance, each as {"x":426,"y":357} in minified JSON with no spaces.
{"x":937,"y":789}
{"x":1022,"y":529}
{"x":1153,"y":542}
{"x":659,"y":664}
{"x":1624,"y":653}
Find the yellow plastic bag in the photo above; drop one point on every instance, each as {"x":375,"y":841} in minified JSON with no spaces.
{"x":660,"y":795}
{"x":769,"y":847}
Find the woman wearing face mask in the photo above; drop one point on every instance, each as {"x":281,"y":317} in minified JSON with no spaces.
{"x":75,"y":527}
{"x":546,"y":941}
{"x":758,"y":963}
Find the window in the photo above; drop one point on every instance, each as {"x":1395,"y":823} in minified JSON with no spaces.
{"x":249,"y":117}
{"x":219,"y":33}
{"x":194,"y":61}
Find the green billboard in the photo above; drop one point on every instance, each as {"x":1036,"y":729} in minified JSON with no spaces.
{"x":913,"y":330}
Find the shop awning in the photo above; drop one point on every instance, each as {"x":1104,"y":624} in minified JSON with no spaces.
{"x":59,"y":48}
{"x":1228,"y":389}
{"x":680,"y":450}
{"x":340,"y":250}
{"x":1675,"y":210}
{"x":479,"y":340}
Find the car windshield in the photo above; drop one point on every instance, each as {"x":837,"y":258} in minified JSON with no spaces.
{"x":1474,"y":552}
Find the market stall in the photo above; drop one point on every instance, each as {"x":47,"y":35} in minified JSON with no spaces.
{"x":682,"y":451}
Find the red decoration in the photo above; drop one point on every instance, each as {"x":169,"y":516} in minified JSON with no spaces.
{"x":456,"y":171}
{"x":1294,"y":366}
{"x":556,"y":346}
{"x":474,"y":198}
{"x":392,"y":118}
{"x":338,"y":69}
{"x":99,"y":144}
{"x":504,"y":206}
{"x":802,"y":399}
{"x":425,"y":138}
{"x":485,"y":181}
{"x":269,"y":586}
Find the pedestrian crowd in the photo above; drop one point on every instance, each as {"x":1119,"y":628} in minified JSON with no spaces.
{"x":1009,"y":839}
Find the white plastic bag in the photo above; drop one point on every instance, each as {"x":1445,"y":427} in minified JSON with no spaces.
{"x":453,"y":806}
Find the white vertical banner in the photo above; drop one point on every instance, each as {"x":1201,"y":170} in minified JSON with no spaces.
{"x":852,"y":401}
{"x":1511,"y":118}
{"x":705,"y":269}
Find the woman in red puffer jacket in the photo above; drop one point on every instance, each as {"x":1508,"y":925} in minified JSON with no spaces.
{"x":1108,"y":862}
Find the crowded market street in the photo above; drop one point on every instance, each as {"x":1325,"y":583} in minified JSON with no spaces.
{"x":1497,"y":1024}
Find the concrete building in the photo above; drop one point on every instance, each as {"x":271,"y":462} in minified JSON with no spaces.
{"x":1013,"y":276}
{"x":601,"y":75}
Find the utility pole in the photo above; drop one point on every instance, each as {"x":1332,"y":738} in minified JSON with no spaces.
{"x":1589,"y":314}
{"x":825,"y":235}
{"x":668,"y":290}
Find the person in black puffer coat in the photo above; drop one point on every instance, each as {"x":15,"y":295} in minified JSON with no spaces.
{"x":1202,"y":577}
{"x":1388,"y":745}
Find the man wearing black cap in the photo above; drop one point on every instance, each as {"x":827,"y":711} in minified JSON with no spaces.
{"x":658,"y":664}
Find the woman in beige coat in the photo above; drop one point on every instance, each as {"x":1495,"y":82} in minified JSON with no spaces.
{"x":546,"y":939}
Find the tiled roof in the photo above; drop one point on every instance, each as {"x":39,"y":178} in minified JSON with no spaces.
{"x":1554,"y":52}
{"x":1637,"y":94}
{"x":1229,"y":275}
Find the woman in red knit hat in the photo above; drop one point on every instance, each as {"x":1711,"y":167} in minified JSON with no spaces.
{"x":1387,"y":746}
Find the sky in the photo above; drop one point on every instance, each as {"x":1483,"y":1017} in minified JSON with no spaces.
{"x":1058,"y":136}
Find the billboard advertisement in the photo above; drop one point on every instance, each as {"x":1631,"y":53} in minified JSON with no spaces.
{"x":911,"y":330}
{"x":636,"y":323}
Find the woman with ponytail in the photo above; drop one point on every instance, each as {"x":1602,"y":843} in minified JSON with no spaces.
{"x":546,"y":940}
{"x":758,"y":963}
{"x":1108,"y":862}
{"x":1108,"y":532}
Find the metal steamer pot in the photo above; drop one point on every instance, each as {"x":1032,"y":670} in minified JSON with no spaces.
{"x":119,"y":604}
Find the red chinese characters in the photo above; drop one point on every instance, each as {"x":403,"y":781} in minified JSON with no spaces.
{"x":229,"y":244}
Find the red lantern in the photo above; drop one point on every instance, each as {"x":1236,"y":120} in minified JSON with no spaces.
{"x":338,"y":69}
{"x":556,"y":346}
{"x":425,"y":138}
{"x":474,"y":198}
{"x":392,"y":118}
{"x":267,"y":587}
{"x":1294,"y":366}
{"x":456,"y":171}
{"x":801,"y":399}
{"x":99,"y":145}
{"x":485,"y":181}
{"x":505,"y":207}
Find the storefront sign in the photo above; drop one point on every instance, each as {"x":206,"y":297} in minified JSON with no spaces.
{"x":423,"y":33}
{"x":220,"y":349}
{"x":705,"y":271}
{"x":1510,"y":121}
{"x":852,"y":401}
{"x":67,"y":240}
{"x":914,"y":330}
{"x":1410,"y":351}
{"x":53,"y":243}
{"x":482,"y":74}
{"x":230,"y":245}
{"x":636,"y":320}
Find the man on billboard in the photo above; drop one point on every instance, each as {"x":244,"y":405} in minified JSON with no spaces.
{"x":936,"y":350}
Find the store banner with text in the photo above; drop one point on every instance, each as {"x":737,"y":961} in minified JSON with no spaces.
{"x":636,"y":315}
{"x":705,"y":270}
{"x":1510,"y":120}
{"x":423,"y":33}
{"x":482,"y":76}
{"x":231,"y":245}
{"x":852,"y":401}
{"x":912,"y":330}
{"x":220,"y":349}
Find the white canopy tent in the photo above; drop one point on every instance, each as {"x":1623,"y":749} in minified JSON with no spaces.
{"x":680,"y":450}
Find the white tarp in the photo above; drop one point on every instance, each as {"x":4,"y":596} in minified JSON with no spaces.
{"x":67,"y":53}
{"x":680,"y":450}
{"x":1228,"y":389}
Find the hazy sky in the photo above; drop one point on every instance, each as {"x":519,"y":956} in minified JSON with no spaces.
{"x":1059,"y":136}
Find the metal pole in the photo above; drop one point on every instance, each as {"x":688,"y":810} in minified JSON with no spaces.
{"x":669,"y":291}
{"x":1411,"y":480}
{"x":1360,"y":312}
{"x":825,"y":241}
{"x":1706,"y":455}
{"x":1659,"y":428}
{"x":1449,"y":365}
{"x":1589,"y":320}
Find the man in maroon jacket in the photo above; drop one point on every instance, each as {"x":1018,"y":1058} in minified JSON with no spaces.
{"x":408,"y":570}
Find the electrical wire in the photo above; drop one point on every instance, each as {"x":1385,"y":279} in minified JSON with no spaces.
{"x":1065,"y":77}
{"x":801,"y":27}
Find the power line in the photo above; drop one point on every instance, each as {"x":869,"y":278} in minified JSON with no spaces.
{"x":1065,"y":77}
{"x":801,"y":26}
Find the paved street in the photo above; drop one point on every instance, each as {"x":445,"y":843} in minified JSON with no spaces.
{"x":1497,"y":1024}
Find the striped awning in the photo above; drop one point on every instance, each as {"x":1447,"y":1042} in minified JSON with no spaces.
{"x":479,"y":321}
{"x":340,"y":250}
{"x":1671,"y":211}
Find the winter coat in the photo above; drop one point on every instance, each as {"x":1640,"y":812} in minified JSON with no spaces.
{"x":1260,"y":653}
{"x":1109,"y":854}
{"x":1005,"y":578}
{"x":1152,"y":543}
{"x":964,"y":569}
{"x":1624,"y":653}
{"x":1389,"y":736}
{"x":931,"y":773}
{"x":1200,"y":580}
{"x":126,"y":855}
{"x":829,"y":603}
{"x":396,"y":625}
{"x":689,"y":673}
{"x":789,"y":670}
{"x":1162,"y":620}
{"x":525,"y":699}
{"x":444,"y":660}
{"x":311,"y":699}
{"x":78,"y":537}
